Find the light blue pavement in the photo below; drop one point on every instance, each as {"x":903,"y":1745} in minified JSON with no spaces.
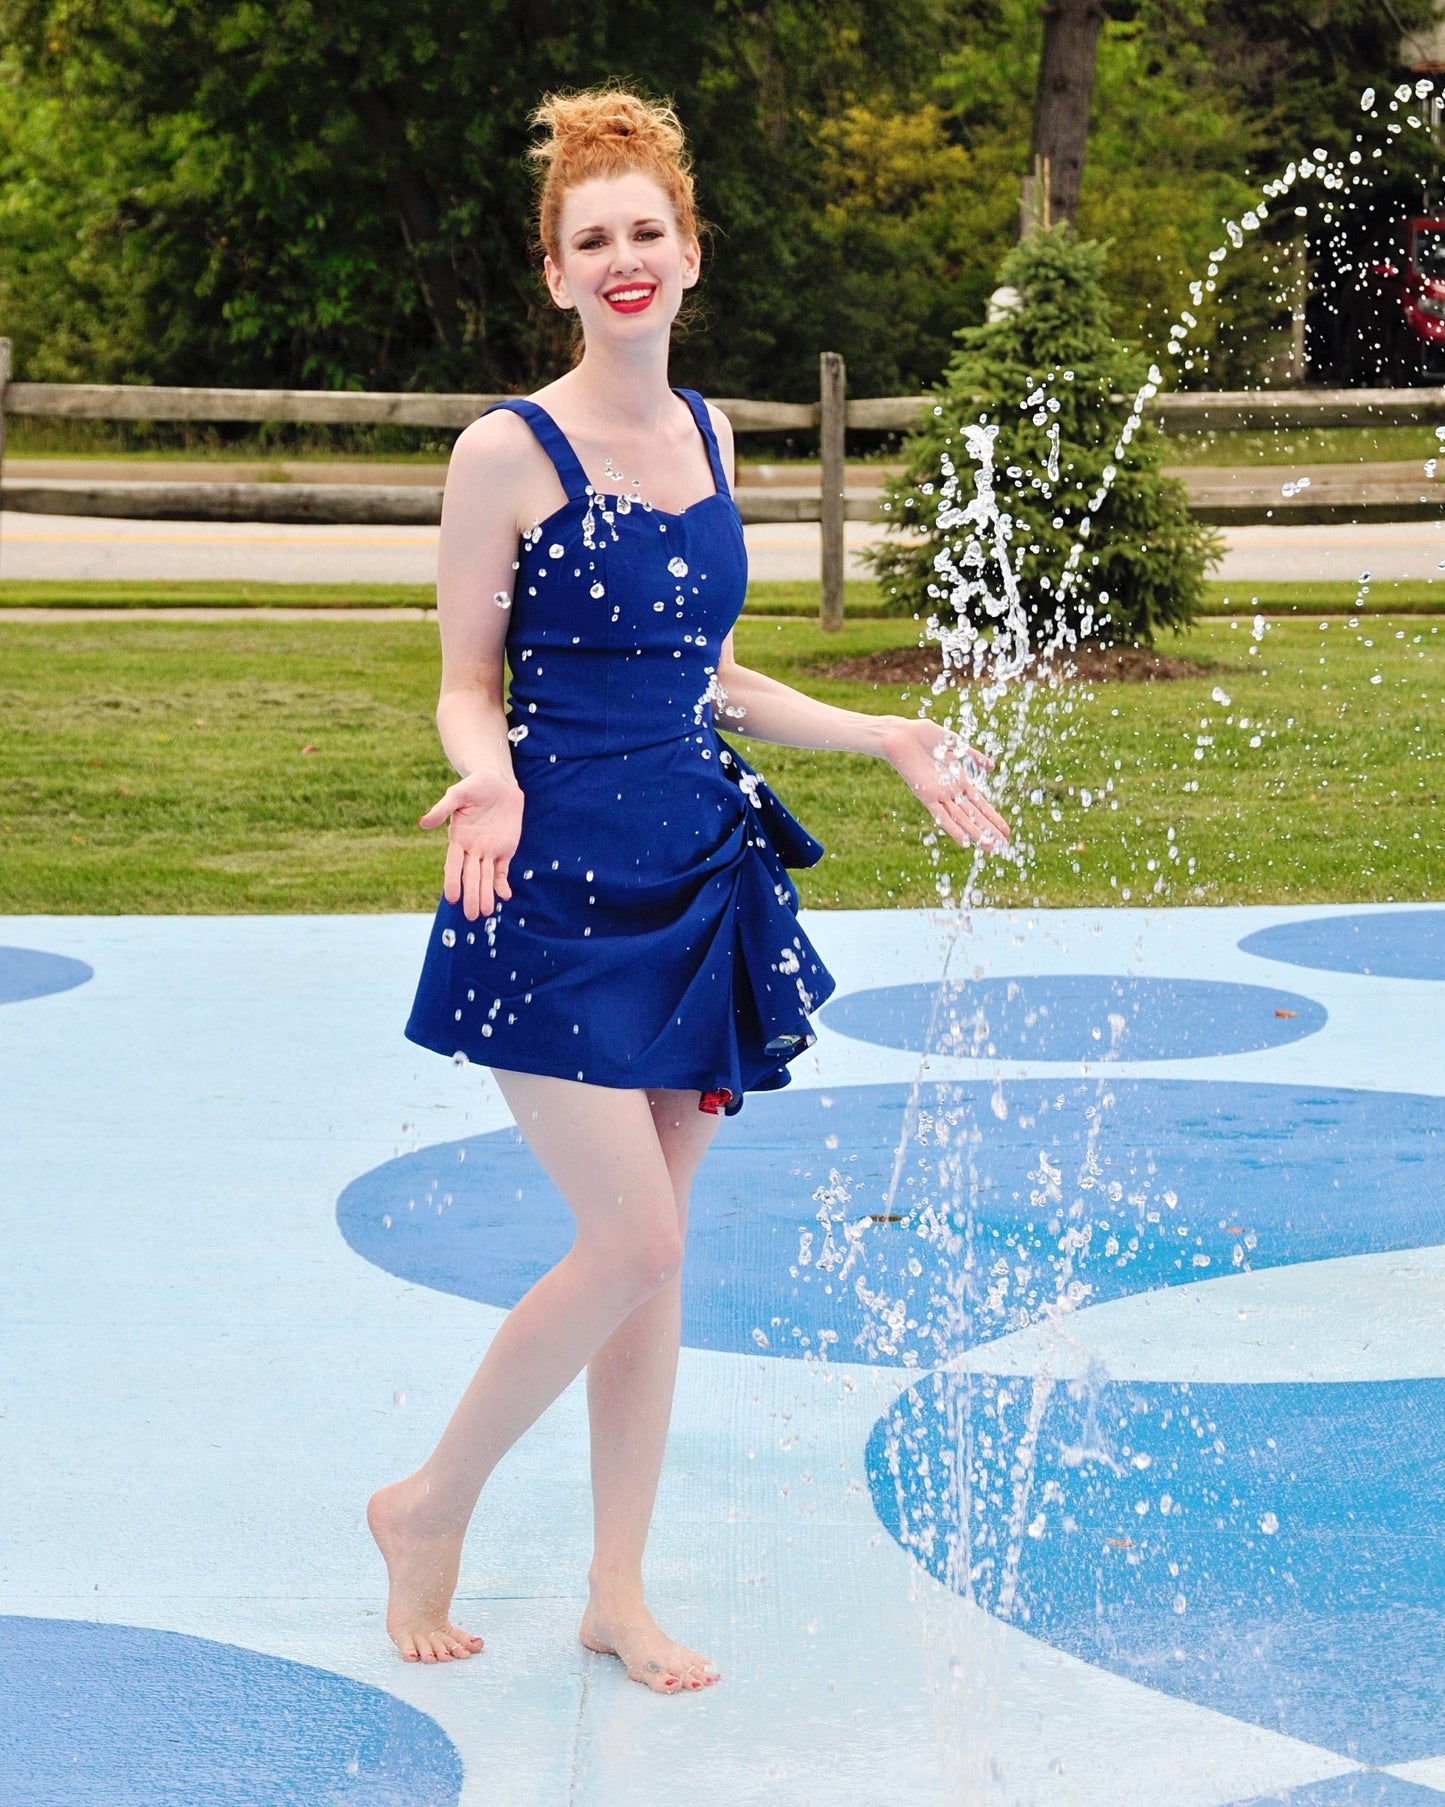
{"x":253,"y":1243}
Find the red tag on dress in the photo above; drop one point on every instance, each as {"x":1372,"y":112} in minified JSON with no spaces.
{"x":713,"y":1102}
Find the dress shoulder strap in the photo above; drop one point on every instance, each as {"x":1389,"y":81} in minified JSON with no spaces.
{"x":704,"y":426}
{"x":553,"y":441}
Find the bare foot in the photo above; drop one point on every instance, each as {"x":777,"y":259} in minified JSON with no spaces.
{"x":422,"y":1569}
{"x":646,"y":1652}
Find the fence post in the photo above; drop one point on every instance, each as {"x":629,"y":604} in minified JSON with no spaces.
{"x":4,"y":379}
{"x":832,"y":409}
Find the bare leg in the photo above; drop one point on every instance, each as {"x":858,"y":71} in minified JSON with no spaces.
{"x":602,"y":1151}
{"x":629,"y":1401}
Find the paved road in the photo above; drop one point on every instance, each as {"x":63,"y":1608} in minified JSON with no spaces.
{"x":73,"y":547}
{"x":55,"y":546}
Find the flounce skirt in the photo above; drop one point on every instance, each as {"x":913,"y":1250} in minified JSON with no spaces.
{"x":652,"y":936}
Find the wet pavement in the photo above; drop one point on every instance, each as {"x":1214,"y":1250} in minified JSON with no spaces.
{"x":254,"y":1242}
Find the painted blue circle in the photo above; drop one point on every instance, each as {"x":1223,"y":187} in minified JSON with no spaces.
{"x":1158,"y":1182}
{"x":98,"y":1715}
{"x":1076,"y":1016}
{"x":1387,"y":944}
{"x":1293,"y":1582}
{"x":1356,"y":1788}
{"x":26,"y":972}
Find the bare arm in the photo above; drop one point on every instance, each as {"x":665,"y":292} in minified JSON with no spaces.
{"x":931,"y":760}
{"x":478,"y":544}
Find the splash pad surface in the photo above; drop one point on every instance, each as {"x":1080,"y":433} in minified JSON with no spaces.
{"x":217,"y":1347}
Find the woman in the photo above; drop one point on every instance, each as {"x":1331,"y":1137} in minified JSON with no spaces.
{"x":618,"y":938}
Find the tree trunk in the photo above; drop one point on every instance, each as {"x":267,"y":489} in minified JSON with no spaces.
{"x":417,"y":214}
{"x":1061,"y":111}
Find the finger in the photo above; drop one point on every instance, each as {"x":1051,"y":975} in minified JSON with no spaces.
{"x":471,"y":887}
{"x":438,"y":812}
{"x":976,"y":798}
{"x":452,"y":874}
{"x":976,"y":827}
{"x":960,"y":820}
{"x":486,"y":896}
{"x":500,"y":879}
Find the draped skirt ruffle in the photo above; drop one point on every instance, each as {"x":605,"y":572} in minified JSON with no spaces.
{"x":652,"y":938}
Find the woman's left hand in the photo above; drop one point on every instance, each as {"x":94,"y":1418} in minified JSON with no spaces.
{"x":930,"y":761}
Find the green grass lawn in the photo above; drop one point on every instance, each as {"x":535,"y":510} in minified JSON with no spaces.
{"x":863,"y":600}
{"x":1311,"y":445}
{"x":280,"y":765}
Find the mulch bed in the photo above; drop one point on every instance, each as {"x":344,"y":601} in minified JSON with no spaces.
{"x":1088,"y":663}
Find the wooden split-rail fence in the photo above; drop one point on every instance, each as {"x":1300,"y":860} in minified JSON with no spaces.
{"x":831,"y":505}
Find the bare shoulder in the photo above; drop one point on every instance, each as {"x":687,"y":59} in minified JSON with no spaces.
{"x":493,"y":444}
{"x":498,"y":467}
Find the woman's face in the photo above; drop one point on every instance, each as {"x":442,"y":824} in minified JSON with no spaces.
{"x":623,"y":263}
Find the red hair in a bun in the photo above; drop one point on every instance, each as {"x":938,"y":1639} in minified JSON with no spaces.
{"x":608,"y":132}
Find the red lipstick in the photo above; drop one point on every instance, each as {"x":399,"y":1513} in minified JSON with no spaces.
{"x":630,"y":297}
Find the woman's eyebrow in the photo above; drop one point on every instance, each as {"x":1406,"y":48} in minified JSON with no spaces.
{"x":591,"y":231}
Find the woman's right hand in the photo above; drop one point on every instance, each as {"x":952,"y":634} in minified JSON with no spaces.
{"x":483,"y":813}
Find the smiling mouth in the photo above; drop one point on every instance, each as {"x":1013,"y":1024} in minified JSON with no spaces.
{"x":631,"y":300}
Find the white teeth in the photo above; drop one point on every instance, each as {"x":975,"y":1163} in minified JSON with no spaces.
{"x":629,"y":294}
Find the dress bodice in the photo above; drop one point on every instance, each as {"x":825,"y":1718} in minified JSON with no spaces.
{"x":619,"y":610}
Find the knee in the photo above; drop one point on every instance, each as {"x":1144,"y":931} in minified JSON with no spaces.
{"x":644,"y":1258}
{"x":655,"y":1259}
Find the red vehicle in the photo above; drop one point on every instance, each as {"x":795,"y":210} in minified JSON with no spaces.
{"x":1408,"y":305}
{"x":1422,"y":282}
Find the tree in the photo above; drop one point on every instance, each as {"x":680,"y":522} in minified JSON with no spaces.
{"x":1102,"y":543}
{"x":358,"y":201}
{"x":1062,"y":94}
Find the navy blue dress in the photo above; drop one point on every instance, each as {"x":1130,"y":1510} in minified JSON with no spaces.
{"x":652,"y":937}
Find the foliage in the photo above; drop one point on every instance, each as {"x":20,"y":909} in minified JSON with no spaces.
{"x":319,"y":192}
{"x":1056,"y":387}
{"x":349,"y":202}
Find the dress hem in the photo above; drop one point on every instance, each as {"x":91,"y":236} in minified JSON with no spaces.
{"x":770,"y":1079}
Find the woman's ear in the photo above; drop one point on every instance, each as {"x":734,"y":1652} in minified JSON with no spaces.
{"x":691,"y":261}
{"x":557,"y":283}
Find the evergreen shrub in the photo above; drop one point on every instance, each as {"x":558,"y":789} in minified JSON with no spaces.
{"x":1050,"y":376}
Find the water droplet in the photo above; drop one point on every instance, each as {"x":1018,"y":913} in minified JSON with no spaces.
{"x":449,"y":937}
{"x":677,"y":566}
{"x":599,"y":588}
{"x":556,"y":551}
{"x":1269,"y":1524}
{"x":503,"y":599}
